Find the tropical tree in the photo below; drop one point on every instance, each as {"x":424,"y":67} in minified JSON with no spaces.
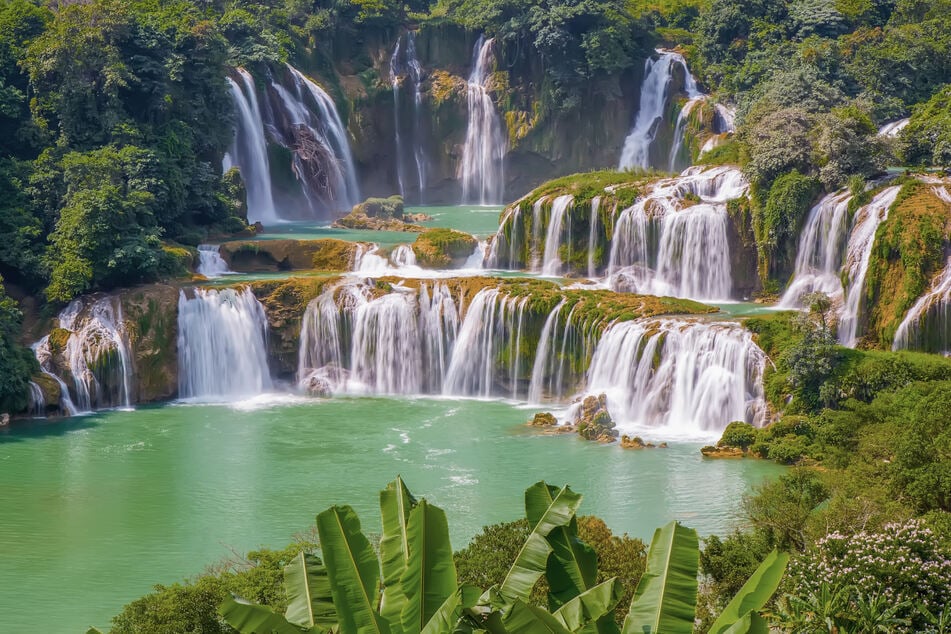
{"x":411,"y":587}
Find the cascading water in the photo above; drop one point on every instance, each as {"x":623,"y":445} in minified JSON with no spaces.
{"x":484,"y":150}
{"x":927,"y":325}
{"x":675,"y":161}
{"x":666,"y":244}
{"x":892,"y":129}
{"x":44,"y":356}
{"x":654,"y":94}
{"x":688,"y":377}
{"x":210,"y":262}
{"x":96,"y":355}
{"x":405,"y":63}
{"x":551,"y":262}
{"x":593,"y":235}
{"x":821,"y":249}
{"x":858,"y":253}
{"x":222,"y":345}
{"x":37,"y":403}
{"x":249,"y":150}
{"x":396,"y":343}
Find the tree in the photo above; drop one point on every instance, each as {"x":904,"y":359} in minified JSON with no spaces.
{"x":17,"y":363}
{"x":847,"y":145}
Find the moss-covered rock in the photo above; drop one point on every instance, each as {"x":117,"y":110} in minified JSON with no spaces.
{"x":254,"y":256}
{"x":908,"y":251}
{"x":543,"y":419}
{"x":151,"y":321}
{"x":378,"y":214}
{"x":443,"y":248}
{"x":593,"y":420}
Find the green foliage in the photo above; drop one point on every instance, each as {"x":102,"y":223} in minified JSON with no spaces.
{"x":926,"y":140}
{"x":17,"y":363}
{"x":782,"y":509}
{"x":886,"y":580}
{"x":847,"y":145}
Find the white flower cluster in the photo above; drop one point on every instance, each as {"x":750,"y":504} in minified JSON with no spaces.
{"x":903,"y":563}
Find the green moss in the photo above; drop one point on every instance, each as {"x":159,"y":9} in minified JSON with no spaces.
{"x":908,"y":252}
{"x":727,"y":153}
{"x":441,"y":248}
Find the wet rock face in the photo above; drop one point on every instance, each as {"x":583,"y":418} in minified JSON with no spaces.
{"x":593,"y":421}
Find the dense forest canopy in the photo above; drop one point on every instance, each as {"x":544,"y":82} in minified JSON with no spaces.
{"x":115,"y":116}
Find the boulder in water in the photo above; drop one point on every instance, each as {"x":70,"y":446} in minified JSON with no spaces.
{"x":593,"y":420}
{"x":378,"y":214}
{"x":443,"y":248}
{"x":544,"y":419}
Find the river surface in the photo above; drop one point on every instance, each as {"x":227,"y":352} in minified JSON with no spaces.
{"x":96,"y":510}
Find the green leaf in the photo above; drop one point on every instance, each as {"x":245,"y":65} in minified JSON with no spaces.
{"x":666,"y":596}
{"x":249,"y":618}
{"x":532,"y":559}
{"x":529,"y":566}
{"x":309,"y":601}
{"x":754,"y":594}
{"x":590,"y":605}
{"x":447,"y":616}
{"x":750,"y":623}
{"x":573,"y":565}
{"x":529,"y":619}
{"x":396,"y":502}
{"x":353,"y":571}
{"x":430,"y":576}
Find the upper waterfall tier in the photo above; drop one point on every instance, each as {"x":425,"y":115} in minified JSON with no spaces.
{"x":292,"y":111}
{"x":481,"y":170}
{"x":411,"y":157}
{"x":673,"y":240}
{"x":831,"y":251}
{"x":657,"y":141}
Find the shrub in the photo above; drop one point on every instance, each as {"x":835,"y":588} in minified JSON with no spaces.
{"x":738,"y":434}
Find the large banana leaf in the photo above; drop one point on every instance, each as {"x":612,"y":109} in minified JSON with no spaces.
{"x":751,"y":623}
{"x":249,"y":618}
{"x":590,"y":605}
{"x":665,"y":599}
{"x":529,"y":619}
{"x":573,"y":565}
{"x":395,"y":504}
{"x":754,"y":594}
{"x":430,"y":576}
{"x":309,"y":601}
{"x":447,"y":616}
{"x":532,"y":559}
{"x":353,"y":571}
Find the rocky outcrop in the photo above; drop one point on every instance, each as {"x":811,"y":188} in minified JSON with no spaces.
{"x":593,"y":420}
{"x":543,"y":419}
{"x":257,"y":256}
{"x":443,"y":248}
{"x":151,"y":319}
{"x":378,"y":214}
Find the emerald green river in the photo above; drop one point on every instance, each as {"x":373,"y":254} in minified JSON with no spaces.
{"x":98,"y":509}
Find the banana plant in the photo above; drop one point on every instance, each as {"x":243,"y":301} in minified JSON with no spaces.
{"x":411,"y":588}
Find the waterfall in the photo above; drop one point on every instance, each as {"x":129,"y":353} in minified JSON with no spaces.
{"x":249,"y":150}
{"x":674,"y":161}
{"x":669,"y":244}
{"x":653,"y":102}
{"x":504,"y":251}
{"x":821,"y":249}
{"x":494,"y":321}
{"x":593,"y":235}
{"x":96,"y":354}
{"x":688,"y":377}
{"x":210,"y":262}
{"x":927,"y":325}
{"x":397,"y":138}
{"x":367,"y":259}
{"x":484,"y":149}
{"x":395,"y":343}
{"x":858,"y":253}
{"x":551,"y":263}
{"x":37,"y":401}
{"x":478,"y":257}
{"x":222,"y":345}
{"x":893,"y":128}
{"x":403,"y":256}
{"x":41,"y":350}
{"x":405,"y":62}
